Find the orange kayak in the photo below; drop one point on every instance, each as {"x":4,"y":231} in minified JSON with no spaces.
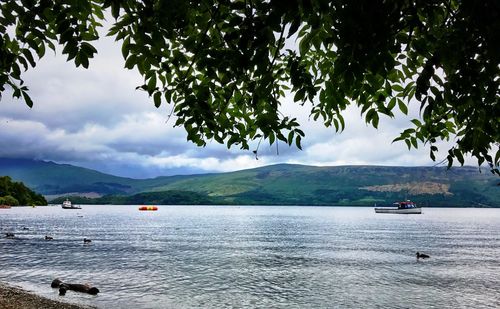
{"x":148,"y":208}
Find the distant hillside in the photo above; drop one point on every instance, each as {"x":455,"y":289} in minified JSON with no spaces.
{"x":348,"y":185}
{"x":49,"y":178}
{"x":281,"y":184}
{"x":52,"y":178}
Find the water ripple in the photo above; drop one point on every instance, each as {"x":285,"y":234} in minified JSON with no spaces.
{"x":260,"y":257}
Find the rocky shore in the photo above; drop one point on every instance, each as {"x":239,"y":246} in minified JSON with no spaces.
{"x":17,"y":298}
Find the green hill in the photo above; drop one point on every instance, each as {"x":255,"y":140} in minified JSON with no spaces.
{"x":51,"y":178}
{"x":281,"y":184}
{"x":347,"y":185}
{"x":16,"y":193}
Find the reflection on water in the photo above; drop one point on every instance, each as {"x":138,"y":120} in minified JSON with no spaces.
{"x":265,"y":257}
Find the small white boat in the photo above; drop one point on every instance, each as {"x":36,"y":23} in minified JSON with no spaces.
{"x":67,"y":205}
{"x":406,"y":207}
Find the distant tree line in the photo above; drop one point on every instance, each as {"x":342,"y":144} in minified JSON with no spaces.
{"x":16,"y":193}
{"x":169,"y":197}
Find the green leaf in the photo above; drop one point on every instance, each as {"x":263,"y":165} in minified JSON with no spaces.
{"x":397,"y":87}
{"x":342,"y":122}
{"x":27,"y":99}
{"x":414,"y":142}
{"x":131,"y":62}
{"x":71,"y":50}
{"x":115,"y":10}
{"x":305,"y":42}
{"x":399,"y":138}
{"x":416,"y":122}
{"x":299,"y":96}
{"x":88,"y":49}
{"x":290,"y":137}
{"x":157,"y":99}
{"x":391,"y":104}
{"x":298,"y":140}
{"x":375,"y":120}
{"x":126,"y":47}
{"x":402,"y":107}
{"x":459,"y":156}
{"x":271,"y":138}
{"x":408,"y":143}
{"x":152,"y":83}
{"x":450,"y":161}
{"x":84,"y":60}
{"x":370,"y":115}
{"x":41,"y":50}
{"x":28,"y":56}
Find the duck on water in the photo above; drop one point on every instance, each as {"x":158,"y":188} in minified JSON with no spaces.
{"x":422,"y":256}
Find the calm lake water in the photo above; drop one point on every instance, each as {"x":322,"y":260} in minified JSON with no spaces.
{"x":256,"y":257}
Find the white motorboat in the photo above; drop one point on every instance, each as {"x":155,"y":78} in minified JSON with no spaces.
{"x":67,"y":205}
{"x":406,"y":207}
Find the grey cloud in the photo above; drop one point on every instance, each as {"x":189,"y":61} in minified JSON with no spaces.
{"x":95,"y":118}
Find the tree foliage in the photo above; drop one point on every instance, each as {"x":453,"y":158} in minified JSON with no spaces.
{"x":16,"y":193}
{"x":224,"y":65}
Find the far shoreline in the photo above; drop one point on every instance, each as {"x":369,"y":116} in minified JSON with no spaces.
{"x":258,"y":205}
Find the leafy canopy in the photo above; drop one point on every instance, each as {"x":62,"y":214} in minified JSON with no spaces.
{"x":224,"y":65}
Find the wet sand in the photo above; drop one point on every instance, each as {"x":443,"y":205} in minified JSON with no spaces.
{"x":12,"y":297}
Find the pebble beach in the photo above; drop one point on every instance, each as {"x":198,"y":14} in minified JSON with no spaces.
{"x":12,"y":297}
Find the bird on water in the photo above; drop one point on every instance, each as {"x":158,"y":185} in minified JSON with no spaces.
{"x":422,"y":256}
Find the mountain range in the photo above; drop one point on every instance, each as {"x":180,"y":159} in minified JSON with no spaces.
{"x":282,"y":184}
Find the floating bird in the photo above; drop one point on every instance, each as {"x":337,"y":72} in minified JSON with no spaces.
{"x":86,"y":241}
{"x":48,"y":237}
{"x":9,"y":235}
{"x":422,"y":256}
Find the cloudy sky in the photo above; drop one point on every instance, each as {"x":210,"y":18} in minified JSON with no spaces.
{"x":95,"y":118}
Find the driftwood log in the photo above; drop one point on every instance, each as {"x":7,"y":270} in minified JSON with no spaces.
{"x":63,"y":287}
